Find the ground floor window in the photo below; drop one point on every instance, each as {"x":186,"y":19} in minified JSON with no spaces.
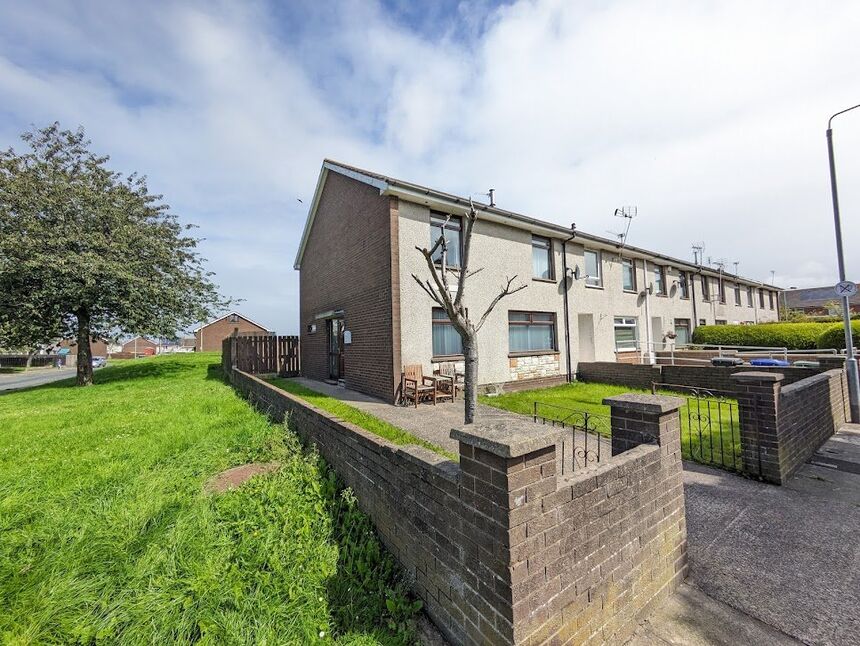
{"x":626,"y":333}
{"x":721,"y":322}
{"x":531,"y":331}
{"x":446,"y":340}
{"x":682,"y":331}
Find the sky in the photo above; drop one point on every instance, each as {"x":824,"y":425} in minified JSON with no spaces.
{"x":707,"y":116}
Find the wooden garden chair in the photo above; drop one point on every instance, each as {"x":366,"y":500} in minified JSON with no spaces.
{"x":416,"y":387}
{"x":449,"y":379}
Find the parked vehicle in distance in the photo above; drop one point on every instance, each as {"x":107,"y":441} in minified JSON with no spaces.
{"x":99,"y":362}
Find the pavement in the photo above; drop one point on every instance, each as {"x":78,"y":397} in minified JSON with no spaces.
{"x":768,"y":564}
{"x":429,"y":422}
{"x":34,"y":377}
{"x":692,"y":618}
{"x":788,"y":556}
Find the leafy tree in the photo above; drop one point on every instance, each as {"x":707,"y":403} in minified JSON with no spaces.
{"x":88,"y":253}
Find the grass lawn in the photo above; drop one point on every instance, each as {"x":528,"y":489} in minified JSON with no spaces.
{"x":358,"y":417}
{"x":709,"y":430}
{"x":106,"y":535}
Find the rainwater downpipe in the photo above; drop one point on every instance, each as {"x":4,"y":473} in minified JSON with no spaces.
{"x":648,"y":330}
{"x":567,"y":284}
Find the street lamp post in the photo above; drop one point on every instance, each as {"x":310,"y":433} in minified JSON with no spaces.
{"x":850,"y":360}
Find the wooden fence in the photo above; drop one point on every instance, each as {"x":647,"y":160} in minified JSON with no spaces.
{"x":262,"y":354}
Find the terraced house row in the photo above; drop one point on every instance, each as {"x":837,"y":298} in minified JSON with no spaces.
{"x":588,"y":298}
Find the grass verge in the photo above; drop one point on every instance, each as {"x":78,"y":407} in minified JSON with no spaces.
{"x":106,"y":535}
{"x":358,"y":417}
{"x":710,"y":428}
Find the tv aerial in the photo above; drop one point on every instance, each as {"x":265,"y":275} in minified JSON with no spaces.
{"x":628,"y":213}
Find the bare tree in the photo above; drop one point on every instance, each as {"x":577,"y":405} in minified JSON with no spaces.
{"x":438,"y":289}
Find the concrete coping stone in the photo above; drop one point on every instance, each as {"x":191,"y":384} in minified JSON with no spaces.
{"x":745,"y":377}
{"x":645,"y":403}
{"x":508,"y":438}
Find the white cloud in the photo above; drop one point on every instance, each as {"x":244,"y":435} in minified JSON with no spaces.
{"x":708,"y":116}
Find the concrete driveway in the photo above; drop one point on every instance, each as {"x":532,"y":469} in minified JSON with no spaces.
{"x":38,"y":377}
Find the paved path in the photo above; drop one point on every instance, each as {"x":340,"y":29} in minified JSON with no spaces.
{"x":789,"y":556}
{"x":431,"y":423}
{"x":18,"y":380}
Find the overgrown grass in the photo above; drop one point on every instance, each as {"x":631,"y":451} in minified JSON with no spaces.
{"x":358,"y":417}
{"x":709,"y":428}
{"x":106,"y":535}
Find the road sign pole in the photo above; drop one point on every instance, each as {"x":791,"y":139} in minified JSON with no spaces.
{"x":850,"y":360}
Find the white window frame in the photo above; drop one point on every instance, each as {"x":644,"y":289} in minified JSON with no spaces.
{"x":595,"y":282}
{"x":626,"y":322}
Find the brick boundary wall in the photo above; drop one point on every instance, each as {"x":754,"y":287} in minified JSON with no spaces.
{"x":706,"y":377}
{"x":621,"y":374}
{"x":782,"y":426}
{"x":501,"y":548}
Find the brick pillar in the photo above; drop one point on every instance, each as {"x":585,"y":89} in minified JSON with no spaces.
{"x":507,"y":470}
{"x":645,"y":419}
{"x":758,"y":397}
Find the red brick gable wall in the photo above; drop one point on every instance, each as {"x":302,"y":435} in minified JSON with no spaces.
{"x":347,"y":265}
{"x":213,"y":334}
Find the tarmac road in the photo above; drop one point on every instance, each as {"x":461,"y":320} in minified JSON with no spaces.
{"x":18,"y":380}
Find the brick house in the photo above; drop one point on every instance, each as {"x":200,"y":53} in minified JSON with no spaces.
{"x":588,"y":298}
{"x":208,"y":337}
{"x":140,"y":346}
{"x":98,"y":347}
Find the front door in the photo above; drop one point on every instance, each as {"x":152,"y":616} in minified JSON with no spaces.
{"x":335,"y":348}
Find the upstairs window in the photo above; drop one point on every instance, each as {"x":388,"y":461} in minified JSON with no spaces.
{"x":659,"y":280}
{"x":542,"y":266}
{"x":531,"y":331}
{"x":446,"y":340}
{"x":234,"y":318}
{"x":683,"y":285}
{"x":628,"y":274}
{"x":737,"y":294}
{"x":761,"y":298}
{"x":749,"y":296}
{"x":593,"y":275}
{"x":721,"y":285}
{"x":770,"y":298}
{"x":451,"y":229}
{"x":626,"y":334}
{"x":706,"y":289}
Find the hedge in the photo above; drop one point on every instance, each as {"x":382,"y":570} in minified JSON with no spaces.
{"x":834,"y":336}
{"x":794,"y":336}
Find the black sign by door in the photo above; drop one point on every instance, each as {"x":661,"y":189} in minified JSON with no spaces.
{"x":335,"y":348}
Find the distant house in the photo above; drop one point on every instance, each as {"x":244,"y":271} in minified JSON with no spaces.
{"x":140,"y":346}
{"x":208,"y":338}
{"x":98,"y":348}
{"x":817,"y":301}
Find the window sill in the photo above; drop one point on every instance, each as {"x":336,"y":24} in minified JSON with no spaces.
{"x":587,"y":286}
{"x":532,"y":353}
{"x":662,"y":295}
{"x":544,"y":280}
{"x":631,"y":291}
{"x":447,"y":358}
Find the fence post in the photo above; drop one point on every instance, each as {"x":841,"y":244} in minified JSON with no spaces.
{"x":758,"y":398}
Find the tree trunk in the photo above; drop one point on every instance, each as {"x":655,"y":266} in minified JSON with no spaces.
{"x":470,"y":351}
{"x":85,"y":355}
{"x":30,"y":355}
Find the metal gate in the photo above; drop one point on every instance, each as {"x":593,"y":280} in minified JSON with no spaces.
{"x":589,"y":438}
{"x":710,"y":427}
